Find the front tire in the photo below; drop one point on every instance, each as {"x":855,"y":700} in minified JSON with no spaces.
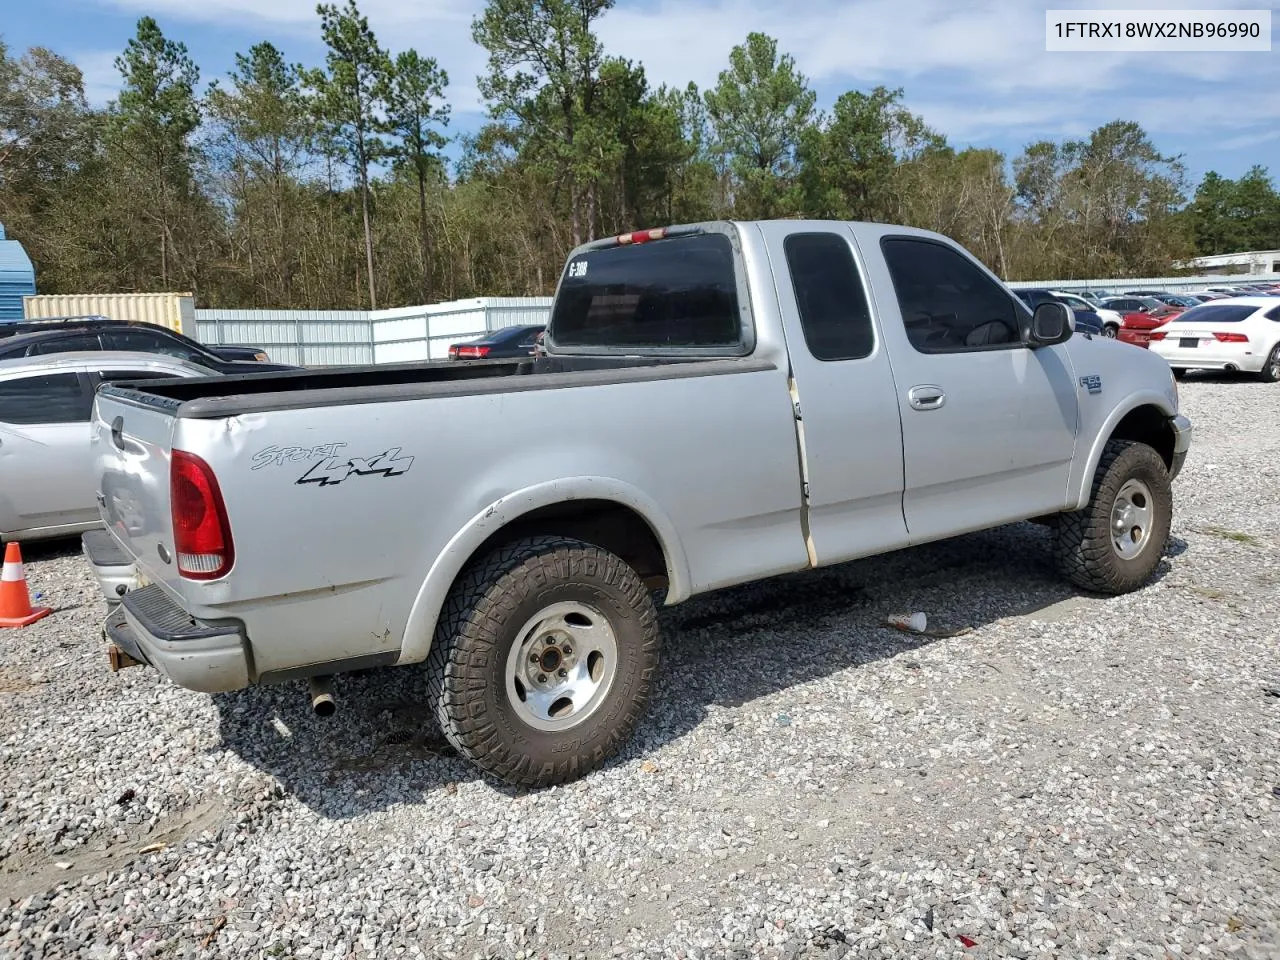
{"x":1271,"y":369}
{"x":543,"y":659}
{"x":1110,"y":330}
{"x":1114,"y":544}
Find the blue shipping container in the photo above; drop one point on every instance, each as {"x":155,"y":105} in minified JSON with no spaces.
{"x":17,"y":278}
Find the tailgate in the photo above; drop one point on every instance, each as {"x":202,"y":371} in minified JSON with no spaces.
{"x":131,"y":466}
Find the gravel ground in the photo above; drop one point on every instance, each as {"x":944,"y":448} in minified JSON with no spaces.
{"x":1076,"y":776}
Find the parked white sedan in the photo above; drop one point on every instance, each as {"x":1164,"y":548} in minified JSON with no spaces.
{"x":46,"y":476}
{"x":1111,"y":320}
{"x":1239,"y":333}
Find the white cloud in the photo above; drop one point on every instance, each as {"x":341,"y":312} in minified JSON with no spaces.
{"x":101,"y":78}
{"x":975,"y":70}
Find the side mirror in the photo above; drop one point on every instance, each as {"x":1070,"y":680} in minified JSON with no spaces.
{"x":1050,"y":323}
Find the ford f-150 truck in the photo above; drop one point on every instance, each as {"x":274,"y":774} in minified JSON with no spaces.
{"x":718,"y":403}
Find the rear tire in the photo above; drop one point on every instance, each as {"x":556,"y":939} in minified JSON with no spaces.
{"x":543,"y":659}
{"x":1110,"y":330}
{"x":1271,"y":369}
{"x":1114,"y":544}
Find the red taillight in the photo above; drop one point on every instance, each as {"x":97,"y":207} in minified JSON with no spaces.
{"x":642,"y":236}
{"x":453,"y":351}
{"x":1158,"y":334}
{"x":201,"y":532}
{"x":469,"y":352}
{"x":1231,"y":338}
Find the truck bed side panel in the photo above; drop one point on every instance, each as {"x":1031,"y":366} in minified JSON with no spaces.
{"x":338,"y":513}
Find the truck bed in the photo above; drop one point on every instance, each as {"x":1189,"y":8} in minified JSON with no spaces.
{"x":212,"y":397}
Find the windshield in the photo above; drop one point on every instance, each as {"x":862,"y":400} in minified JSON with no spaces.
{"x":1216,"y":313}
{"x":680,"y":292}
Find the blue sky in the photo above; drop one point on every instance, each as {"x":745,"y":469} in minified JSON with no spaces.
{"x":976,"y":70}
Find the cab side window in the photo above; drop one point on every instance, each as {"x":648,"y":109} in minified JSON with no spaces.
{"x":949,"y":305}
{"x":44,"y":398}
{"x":834,"y":314}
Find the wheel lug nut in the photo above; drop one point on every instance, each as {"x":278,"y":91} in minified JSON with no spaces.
{"x":563,"y":674}
{"x":542,"y":678}
{"x":533,"y":658}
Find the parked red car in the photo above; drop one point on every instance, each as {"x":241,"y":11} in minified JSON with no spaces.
{"x":1135,"y":328}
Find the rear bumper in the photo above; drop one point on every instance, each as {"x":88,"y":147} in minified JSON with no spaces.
{"x":1181,"y":444}
{"x":1223,"y":356}
{"x":1139,"y":338}
{"x":111,"y":565}
{"x":151,"y":628}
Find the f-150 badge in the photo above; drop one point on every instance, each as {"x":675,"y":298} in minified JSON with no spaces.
{"x":1092,"y":383}
{"x":334,"y":470}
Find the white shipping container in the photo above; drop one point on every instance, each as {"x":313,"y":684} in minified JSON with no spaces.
{"x":173,"y":310}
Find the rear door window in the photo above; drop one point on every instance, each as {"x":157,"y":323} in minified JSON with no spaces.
{"x":834,"y":314}
{"x":152,"y":341}
{"x":79,"y":341}
{"x":44,"y":398}
{"x":679,"y":292}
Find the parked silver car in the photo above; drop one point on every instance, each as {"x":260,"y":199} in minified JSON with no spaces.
{"x":47,"y":486}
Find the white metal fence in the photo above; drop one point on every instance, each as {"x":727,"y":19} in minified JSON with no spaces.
{"x":424,"y":333}
{"x":344,"y":337}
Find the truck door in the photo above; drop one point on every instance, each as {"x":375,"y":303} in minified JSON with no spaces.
{"x":988,"y":424}
{"x":44,"y":451}
{"x":849,"y":426}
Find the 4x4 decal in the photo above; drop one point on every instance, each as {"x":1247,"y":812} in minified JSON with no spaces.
{"x":333,"y":470}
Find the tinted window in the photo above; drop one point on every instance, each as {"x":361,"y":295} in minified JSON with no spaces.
{"x":833,"y":307}
{"x":48,"y":398}
{"x":948,"y":304}
{"x":665,"y":293}
{"x":152,"y":341}
{"x":81,"y":341}
{"x":1273,"y":314}
{"x":1216,"y":313}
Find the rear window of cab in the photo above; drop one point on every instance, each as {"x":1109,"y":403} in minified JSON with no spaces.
{"x":678,"y":292}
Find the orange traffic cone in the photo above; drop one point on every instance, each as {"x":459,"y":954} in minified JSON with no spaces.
{"x":15,"y":602}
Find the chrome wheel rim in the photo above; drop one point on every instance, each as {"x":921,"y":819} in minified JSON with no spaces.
{"x":562,"y":666}
{"x":1108,"y":331}
{"x":1132,"y":516}
{"x":1275,"y":364}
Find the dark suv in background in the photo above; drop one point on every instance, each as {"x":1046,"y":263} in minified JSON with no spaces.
{"x":1086,"y":320}
{"x":33,"y":338}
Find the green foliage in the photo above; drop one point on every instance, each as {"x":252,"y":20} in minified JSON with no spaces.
{"x":349,"y":99}
{"x":759,"y":110}
{"x":326,"y":186}
{"x":1228,"y":216}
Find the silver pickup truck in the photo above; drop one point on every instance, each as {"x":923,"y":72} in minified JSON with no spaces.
{"x":717,"y":403}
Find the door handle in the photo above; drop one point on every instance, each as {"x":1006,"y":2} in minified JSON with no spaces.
{"x":927,"y":396}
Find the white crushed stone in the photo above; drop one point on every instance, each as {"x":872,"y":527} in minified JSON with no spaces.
{"x":1076,"y":777}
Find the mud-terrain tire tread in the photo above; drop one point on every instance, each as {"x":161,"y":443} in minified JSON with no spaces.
{"x":1082,"y":547}
{"x":472,"y":629}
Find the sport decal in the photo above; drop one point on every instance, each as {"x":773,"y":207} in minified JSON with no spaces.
{"x":334,"y":470}
{"x":278,"y":455}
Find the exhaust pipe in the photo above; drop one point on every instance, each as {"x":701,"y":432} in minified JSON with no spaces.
{"x":321,"y":691}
